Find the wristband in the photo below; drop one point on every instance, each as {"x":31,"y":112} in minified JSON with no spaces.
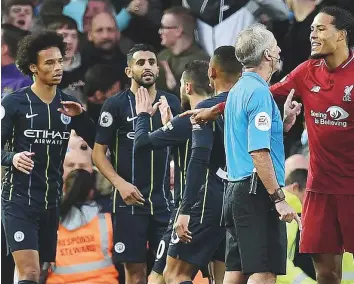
{"x":277,"y":196}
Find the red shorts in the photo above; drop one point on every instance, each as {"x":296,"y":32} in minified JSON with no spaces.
{"x":327,"y":223}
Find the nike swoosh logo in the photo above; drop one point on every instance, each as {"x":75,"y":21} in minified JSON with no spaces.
{"x":31,"y":115}
{"x":129,"y":119}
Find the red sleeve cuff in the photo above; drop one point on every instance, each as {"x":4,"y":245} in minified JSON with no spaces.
{"x":221,"y":107}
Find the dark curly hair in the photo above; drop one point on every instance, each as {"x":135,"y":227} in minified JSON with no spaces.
{"x":31,"y":45}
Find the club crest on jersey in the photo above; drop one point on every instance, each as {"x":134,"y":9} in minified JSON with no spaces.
{"x":106,"y":119}
{"x":65,"y":119}
{"x":348,"y":93}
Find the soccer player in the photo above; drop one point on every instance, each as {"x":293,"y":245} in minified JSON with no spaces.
{"x":178,"y":133}
{"x":199,"y":236}
{"x":36,"y":123}
{"x":141,"y":205}
{"x":325,"y":85}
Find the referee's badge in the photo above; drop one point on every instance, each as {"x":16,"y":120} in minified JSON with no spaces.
{"x":65,"y":119}
{"x":262,"y":121}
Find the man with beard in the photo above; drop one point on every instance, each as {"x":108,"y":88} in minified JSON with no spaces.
{"x":176,"y":132}
{"x":141,"y":205}
{"x":103,"y":46}
{"x":325,"y":85}
{"x":19,"y":13}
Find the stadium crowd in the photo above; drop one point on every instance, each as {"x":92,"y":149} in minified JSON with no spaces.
{"x":103,"y":181}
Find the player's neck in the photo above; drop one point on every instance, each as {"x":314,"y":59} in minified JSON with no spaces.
{"x":223,"y":86}
{"x":195,"y":99}
{"x":336,"y":59}
{"x":152,"y":89}
{"x":45,"y":92}
{"x":181,"y":45}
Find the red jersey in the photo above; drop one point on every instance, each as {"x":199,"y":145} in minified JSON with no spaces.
{"x":329,"y":115}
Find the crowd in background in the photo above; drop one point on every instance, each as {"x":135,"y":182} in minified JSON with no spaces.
{"x":99,"y":33}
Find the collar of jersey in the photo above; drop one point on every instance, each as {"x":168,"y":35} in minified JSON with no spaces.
{"x":256,"y":76}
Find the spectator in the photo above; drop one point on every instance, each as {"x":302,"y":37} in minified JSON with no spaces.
{"x":101,"y":83}
{"x":79,"y":158}
{"x":11,"y":78}
{"x":83,"y":12}
{"x":103,"y":46}
{"x":221,"y":21}
{"x":81,"y":220}
{"x":177,"y":35}
{"x":73,"y":75}
{"x":147,"y":15}
{"x":19,"y":13}
{"x":294,"y":162}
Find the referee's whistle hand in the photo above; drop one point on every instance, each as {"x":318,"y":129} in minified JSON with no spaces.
{"x":23,"y":162}
{"x":130,"y":194}
{"x":181,"y":228}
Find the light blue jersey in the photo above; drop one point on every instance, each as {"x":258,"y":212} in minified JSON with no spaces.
{"x":252,"y":122}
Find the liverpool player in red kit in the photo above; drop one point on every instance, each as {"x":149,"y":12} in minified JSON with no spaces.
{"x":325,"y":84}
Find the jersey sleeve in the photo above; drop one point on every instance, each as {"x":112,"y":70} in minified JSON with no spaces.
{"x":107,"y":122}
{"x":175,"y":132}
{"x":259,"y":112}
{"x":8,"y":117}
{"x":202,"y":144}
{"x":290,"y":81}
{"x":83,"y":124}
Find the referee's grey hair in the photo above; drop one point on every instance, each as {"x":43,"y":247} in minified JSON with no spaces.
{"x":251,"y":44}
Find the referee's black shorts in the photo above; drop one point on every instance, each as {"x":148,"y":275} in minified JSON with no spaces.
{"x":255,"y":237}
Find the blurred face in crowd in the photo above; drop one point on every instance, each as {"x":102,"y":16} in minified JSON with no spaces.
{"x":143,"y":68}
{"x":170,"y":30}
{"x":71,"y":39}
{"x":104,"y":33}
{"x":77,"y":159}
{"x":324,"y":36}
{"x":100,"y":97}
{"x":21,"y":16}
{"x":93,"y":8}
{"x":49,"y":67}
{"x":76,"y":142}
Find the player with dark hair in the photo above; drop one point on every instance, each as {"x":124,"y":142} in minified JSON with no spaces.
{"x":199,"y":236}
{"x":176,"y":132}
{"x":141,"y":201}
{"x":36,"y":124}
{"x":325,"y":85}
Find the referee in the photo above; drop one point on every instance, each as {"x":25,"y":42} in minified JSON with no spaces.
{"x":255,"y":207}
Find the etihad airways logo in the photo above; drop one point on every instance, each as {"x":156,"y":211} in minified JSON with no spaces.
{"x":48,"y":137}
